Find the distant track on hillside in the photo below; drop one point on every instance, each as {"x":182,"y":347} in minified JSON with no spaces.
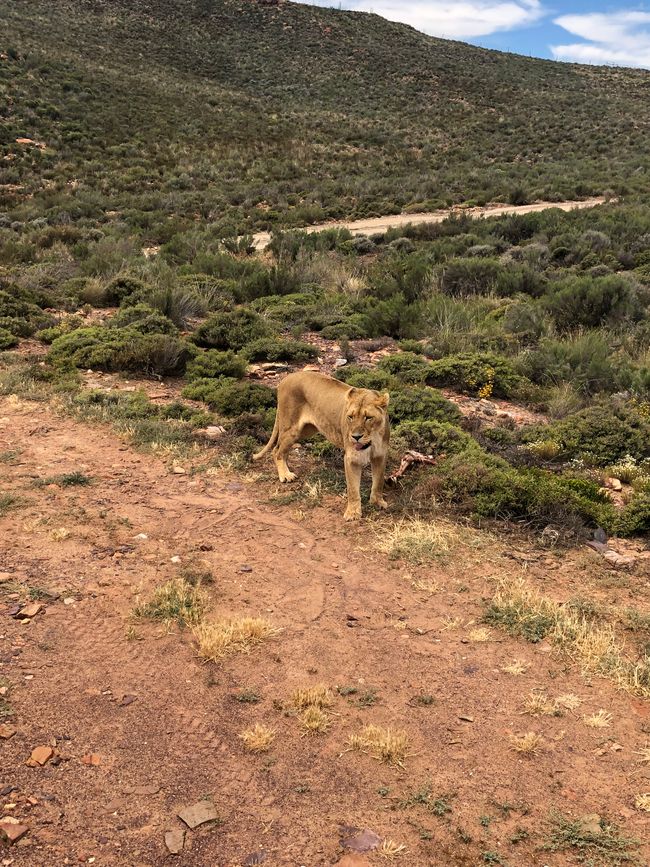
{"x":380,"y":224}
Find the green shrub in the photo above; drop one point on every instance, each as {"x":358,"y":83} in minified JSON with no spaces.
{"x":432,"y":436}
{"x":373,"y":378}
{"x":114,"y":349}
{"x":481,"y":374}
{"x":407,"y":367}
{"x":229,"y":397}
{"x":600,"y":434}
{"x":142,"y":318}
{"x":119,"y":288}
{"x":231,"y":330}
{"x":635,"y":517}
{"x":7,"y":339}
{"x":213,"y":364}
{"x":590,"y":302}
{"x":274,"y":349}
{"x":354,"y":327}
{"x":423,"y":404}
{"x":584,"y":361}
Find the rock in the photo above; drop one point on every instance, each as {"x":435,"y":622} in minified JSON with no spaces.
{"x":7,"y":731}
{"x":12,"y":830}
{"x":5,"y":576}
{"x":141,"y":537}
{"x":175,"y":840}
{"x":619,"y":561}
{"x":245,"y":568}
{"x":179,"y":471}
{"x":274,"y":367}
{"x":28,"y":611}
{"x":92,"y":759}
{"x":127,"y":700}
{"x":198,"y":814}
{"x":600,"y":535}
{"x":69,"y":600}
{"x":465,"y":717}
{"x":340,"y":362}
{"x":361,"y":841}
{"x":40,"y":756}
{"x":352,"y":860}
{"x":212,"y":432}
{"x":591,"y":824}
{"x":258,"y":857}
{"x":175,"y":559}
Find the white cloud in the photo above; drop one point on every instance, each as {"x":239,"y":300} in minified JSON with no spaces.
{"x":465,"y":19}
{"x":621,"y":38}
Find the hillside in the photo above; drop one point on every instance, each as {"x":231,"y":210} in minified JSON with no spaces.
{"x":250,"y":115}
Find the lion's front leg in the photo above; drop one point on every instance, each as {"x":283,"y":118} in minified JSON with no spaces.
{"x":353,"y":480}
{"x":378,"y":465}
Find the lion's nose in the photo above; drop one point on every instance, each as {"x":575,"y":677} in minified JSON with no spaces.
{"x":357,"y":437}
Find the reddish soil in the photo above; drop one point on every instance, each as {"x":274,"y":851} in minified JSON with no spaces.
{"x":349,"y":617}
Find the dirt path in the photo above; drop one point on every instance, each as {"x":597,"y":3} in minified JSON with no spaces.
{"x":350,"y":618}
{"x":380,"y":224}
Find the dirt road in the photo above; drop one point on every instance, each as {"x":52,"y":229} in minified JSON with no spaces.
{"x":83,"y":677}
{"x":380,"y":224}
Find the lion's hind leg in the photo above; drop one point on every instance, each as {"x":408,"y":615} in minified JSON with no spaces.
{"x":286,"y":439}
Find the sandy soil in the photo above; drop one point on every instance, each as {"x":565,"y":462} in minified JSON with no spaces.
{"x":380,"y":224}
{"x":349,"y":618}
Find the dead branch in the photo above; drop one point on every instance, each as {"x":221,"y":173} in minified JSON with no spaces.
{"x":412,"y":457}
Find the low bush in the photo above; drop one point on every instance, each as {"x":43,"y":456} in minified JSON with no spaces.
{"x":231,"y":330}
{"x":273,"y":349}
{"x":590,"y":302}
{"x":479,"y":374}
{"x":213,"y":364}
{"x":7,"y":339}
{"x":142,"y":318}
{"x":423,"y":404}
{"x":230,"y":397}
{"x":407,"y":367}
{"x":373,"y":378}
{"x":115,"y":349}
{"x":431,"y":437}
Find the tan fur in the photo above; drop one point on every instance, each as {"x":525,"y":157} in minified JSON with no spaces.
{"x":310,"y":402}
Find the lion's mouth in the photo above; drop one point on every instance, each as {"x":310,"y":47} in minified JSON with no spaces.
{"x":360,"y":447}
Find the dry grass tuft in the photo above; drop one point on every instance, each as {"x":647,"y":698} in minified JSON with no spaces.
{"x":516,"y":667}
{"x":312,"y":696}
{"x":642,"y":802}
{"x":480,"y":634}
{"x":383,"y":744}
{"x":417,"y":541}
{"x":600,"y":720}
{"x":568,"y":701}
{"x":424,"y":585}
{"x":530,"y":743}
{"x":258,"y":739}
{"x":537,"y":703}
{"x":644,"y":754}
{"x":314,"y":720}
{"x":175,"y":600}
{"x":223,"y":637}
{"x":593,"y":644}
{"x":391,"y":849}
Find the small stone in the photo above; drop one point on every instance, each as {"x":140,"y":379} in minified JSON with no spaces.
{"x":465,"y":717}
{"x":174,"y":840}
{"x":41,"y":755}
{"x":340,"y":362}
{"x":591,"y":824}
{"x":7,"y":731}
{"x":619,"y":561}
{"x":245,"y":568}
{"x":12,"y":830}
{"x":179,"y":471}
{"x":69,"y":600}
{"x":28,"y":611}
{"x":175,"y":559}
{"x":92,"y":759}
{"x":127,"y":700}
{"x":141,"y":537}
{"x":198,"y":814}
{"x":212,"y":432}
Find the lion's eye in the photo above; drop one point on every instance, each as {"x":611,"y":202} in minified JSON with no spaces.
{"x":368,"y":418}
{"x":350,"y":417}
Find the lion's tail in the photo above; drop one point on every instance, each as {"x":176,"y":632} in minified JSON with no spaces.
{"x":274,"y":438}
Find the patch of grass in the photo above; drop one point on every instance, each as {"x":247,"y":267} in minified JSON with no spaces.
{"x":605,"y":846}
{"x":248,"y":696}
{"x":367,"y":698}
{"x":642,"y":802}
{"x":391,"y":849}
{"x":644,"y":754}
{"x":516,"y":667}
{"x":7,"y":503}
{"x":9,"y":456}
{"x":319,"y":696}
{"x":258,"y":739}
{"x":221,"y":638}
{"x":480,"y":634}
{"x":67,"y":480}
{"x":593,"y":644}
{"x":175,"y":601}
{"x":422,"y":700}
{"x":383,"y":744}
{"x":314,"y":720}
{"x":537,"y":703}
{"x":602,"y":719}
{"x":529,"y":743}
{"x":438,"y":805}
{"x":568,"y":701}
{"x":417,"y":541}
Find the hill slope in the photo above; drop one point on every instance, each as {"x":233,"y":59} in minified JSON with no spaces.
{"x":249,"y":114}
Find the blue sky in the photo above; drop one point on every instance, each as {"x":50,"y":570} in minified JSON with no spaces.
{"x":582,"y":31}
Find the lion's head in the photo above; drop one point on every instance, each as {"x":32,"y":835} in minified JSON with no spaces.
{"x":365,"y":414}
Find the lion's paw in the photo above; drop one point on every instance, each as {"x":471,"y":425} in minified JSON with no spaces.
{"x":379,"y":503}
{"x":352,"y":513}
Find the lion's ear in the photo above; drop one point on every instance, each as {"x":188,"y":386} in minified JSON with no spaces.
{"x":382,"y":400}
{"x":352,"y":392}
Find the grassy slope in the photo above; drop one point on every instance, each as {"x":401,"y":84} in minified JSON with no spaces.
{"x":211,"y":107}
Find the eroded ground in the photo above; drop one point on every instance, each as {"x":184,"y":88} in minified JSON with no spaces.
{"x":400,"y":645}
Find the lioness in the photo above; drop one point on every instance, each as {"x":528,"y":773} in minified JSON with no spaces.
{"x":355,"y":419}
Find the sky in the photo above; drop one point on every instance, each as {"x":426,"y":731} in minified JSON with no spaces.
{"x":579,"y":31}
